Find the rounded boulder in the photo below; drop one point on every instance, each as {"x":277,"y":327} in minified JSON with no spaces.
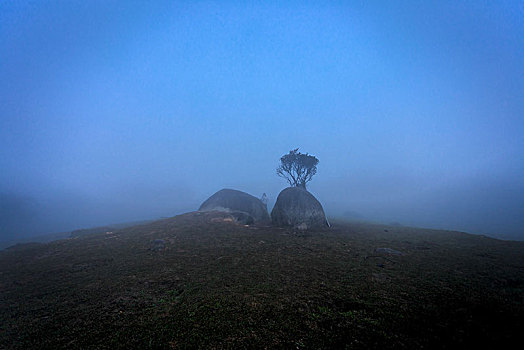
{"x":296,"y":207}
{"x":229,"y":200}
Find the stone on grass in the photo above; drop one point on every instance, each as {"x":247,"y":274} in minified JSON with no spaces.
{"x":388,"y":251}
{"x":158,"y":245}
{"x":243,"y":207}
{"x":296,"y":207}
{"x":302,"y":227}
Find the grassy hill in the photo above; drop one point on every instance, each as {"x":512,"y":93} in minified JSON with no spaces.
{"x":199,"y":280}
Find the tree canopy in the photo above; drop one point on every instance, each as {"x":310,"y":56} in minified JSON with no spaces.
{"x":297,"y":168}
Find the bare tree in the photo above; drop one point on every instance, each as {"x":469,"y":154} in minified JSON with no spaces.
{"x":297,"y":168}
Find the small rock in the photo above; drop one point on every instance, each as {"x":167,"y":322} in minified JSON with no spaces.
{"x":302,"y":227}
{"x":158,"y":245}
{"x":388,"y":251}
{"x":379,"y":277}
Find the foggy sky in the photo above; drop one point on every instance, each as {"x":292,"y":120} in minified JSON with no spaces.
{"x":114,"y":111}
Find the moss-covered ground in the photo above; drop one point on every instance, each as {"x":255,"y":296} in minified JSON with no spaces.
{"x":218,"y":285}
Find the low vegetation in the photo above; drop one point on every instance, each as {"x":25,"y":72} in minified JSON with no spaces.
{"x":212,"y":283}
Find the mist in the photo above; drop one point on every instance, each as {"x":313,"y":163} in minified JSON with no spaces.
{"x":122,"y":111}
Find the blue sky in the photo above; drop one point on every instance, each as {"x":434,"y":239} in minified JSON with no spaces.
{"x":120,"y":110}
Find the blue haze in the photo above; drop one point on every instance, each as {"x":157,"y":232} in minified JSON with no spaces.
{"x":115,"y":111}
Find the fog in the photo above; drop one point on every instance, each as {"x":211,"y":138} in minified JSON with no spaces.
{"x":121,"y":111}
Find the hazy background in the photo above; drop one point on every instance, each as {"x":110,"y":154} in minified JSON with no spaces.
{"x":114,"y":111}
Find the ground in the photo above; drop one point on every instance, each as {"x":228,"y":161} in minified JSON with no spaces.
{"x":217,"y":284}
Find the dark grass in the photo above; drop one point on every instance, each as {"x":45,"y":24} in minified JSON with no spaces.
{"x":221,"y":285}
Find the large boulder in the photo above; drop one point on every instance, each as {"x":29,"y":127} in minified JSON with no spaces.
{"x":237,"y":203}
{"x":297,"y":207}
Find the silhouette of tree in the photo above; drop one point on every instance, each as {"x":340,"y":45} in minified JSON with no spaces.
{"x":297,"y":168}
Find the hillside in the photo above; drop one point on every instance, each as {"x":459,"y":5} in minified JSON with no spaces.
{"x":45,"y":238}
{"x":200,"y":280}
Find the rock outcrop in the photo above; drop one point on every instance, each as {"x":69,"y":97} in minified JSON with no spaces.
{"x":296,"y":207}
{"x":242,"y":206}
